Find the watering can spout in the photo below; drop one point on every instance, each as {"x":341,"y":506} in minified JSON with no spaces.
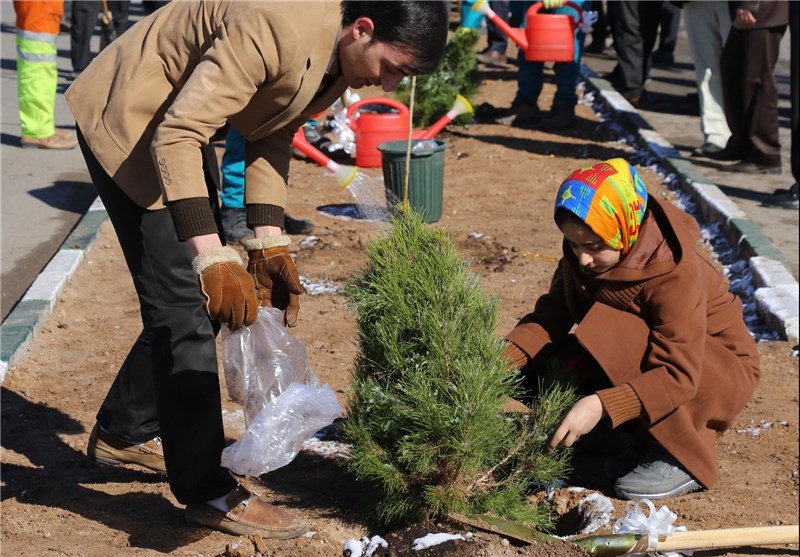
{"x":514,"y":33}
{"x":547,"y":37}
{"x":460,"y":106}
{"x":344,"y":174}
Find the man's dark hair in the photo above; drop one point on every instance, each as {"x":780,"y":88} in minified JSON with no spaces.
{"x":418,"y":28}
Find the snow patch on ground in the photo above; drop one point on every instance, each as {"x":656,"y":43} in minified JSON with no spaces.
{"x":318,"y":288}
{"x":434,"y":539}
{"x":595,"y":510}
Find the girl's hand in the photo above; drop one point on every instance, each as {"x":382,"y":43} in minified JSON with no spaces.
{"x":580,"y":420}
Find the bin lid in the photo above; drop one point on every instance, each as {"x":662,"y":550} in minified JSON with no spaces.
{"x":399,"y":146}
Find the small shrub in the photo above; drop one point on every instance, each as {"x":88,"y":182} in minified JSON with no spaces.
{"x":426,"y":422}
{"x":435,"y":93}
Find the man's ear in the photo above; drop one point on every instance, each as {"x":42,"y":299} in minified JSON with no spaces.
{"x":363,"y":26}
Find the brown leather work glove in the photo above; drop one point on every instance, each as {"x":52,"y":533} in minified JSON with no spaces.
{"x":276,"y":276}
{"x":230,"y":293}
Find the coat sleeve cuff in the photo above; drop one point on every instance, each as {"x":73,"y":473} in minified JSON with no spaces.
{"x":192,"y":217}
{"x":261,"y":214}
{"x":513,"y":356}
{"x":621,"y":403}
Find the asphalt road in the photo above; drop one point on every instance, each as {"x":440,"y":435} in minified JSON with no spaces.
{"x":44,"y":193}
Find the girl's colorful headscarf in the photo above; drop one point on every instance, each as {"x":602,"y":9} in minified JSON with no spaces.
{"x":610,"y":197}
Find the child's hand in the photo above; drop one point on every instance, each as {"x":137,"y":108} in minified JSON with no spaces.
{"x":580,"y":420}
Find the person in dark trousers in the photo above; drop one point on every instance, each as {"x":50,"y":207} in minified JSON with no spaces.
{"x":148,"y":110}
{"x":495,"y":53}
{"x":669,"y":25}
{"x":749,"y":91}
{"x":788,"y":198}
{"x":601,"y":29}
{"x":634,"y":26}
{"x":83,"y":21}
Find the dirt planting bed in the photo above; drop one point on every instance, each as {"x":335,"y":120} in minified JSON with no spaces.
{"x":498,"y":194}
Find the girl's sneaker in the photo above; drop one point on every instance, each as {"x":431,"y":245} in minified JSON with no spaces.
{"x":659,"y":475}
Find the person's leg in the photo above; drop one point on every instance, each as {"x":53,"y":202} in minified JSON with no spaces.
{"x":732,"y":67}
{"x":169,"y":381}
{"x":495,"y":52}
{"x":37,"y":74}
{"x":119,"y":11}
{"x":707,"y":27}
{"x":600,"y":28}
{"x":84,"y":18}
{"x":498,"y":41}
{"x":670,"y":22}
{"x":234,"y":216}
{"x":761,"y":100}
{"x":649,"y":13}
{"x":628,"y":44}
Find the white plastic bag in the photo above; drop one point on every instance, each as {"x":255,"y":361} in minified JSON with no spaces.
{"x":266,"y":370}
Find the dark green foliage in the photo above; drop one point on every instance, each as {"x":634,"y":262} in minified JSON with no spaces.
{"x":435,"y":93}
{"x":426,"y":421}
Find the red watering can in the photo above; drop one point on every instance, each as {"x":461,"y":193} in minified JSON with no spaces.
{"x":546,"y":37}
{"x":373,"y":129}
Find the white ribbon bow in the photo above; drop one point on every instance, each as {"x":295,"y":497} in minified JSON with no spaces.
{"x":655,"y":523}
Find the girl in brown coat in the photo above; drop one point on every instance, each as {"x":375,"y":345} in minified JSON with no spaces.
{"x":669,"y":355}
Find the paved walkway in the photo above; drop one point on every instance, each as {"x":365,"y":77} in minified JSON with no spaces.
{"x":677,"y":121}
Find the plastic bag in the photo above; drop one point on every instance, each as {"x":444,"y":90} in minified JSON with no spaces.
{"x":267,"y":372}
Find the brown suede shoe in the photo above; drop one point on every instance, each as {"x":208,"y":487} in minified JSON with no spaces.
{"x":59,"y":140}
{"x":107,"y":450}
{"x":249,"y":514}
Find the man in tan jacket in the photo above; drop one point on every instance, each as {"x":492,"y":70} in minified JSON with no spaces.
{"x":147,"y":110}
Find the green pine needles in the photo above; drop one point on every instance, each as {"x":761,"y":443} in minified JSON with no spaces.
{"x":426,"y":422}
{"x":435,"y":93}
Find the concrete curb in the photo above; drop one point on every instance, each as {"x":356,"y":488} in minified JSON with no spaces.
{"x":777,"y":298}
{"x":23,"y":323}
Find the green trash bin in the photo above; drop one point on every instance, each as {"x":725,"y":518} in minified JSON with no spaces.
{"x":426,"y":176}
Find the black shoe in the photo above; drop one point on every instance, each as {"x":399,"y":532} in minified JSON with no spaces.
{"x":727,"y":154}
{"x":747,"y":167}
{"x":560,"y":117}
{"x":783,"y":198}
{"x":234,"y":225}
{"x":296,"y":226}
{"x":706,"y":150}
{"x":663,"y":58}
{"x":520,"y":114}
{"x":597,"y":47}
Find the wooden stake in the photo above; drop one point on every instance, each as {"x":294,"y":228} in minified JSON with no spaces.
{"x":410,"y":132}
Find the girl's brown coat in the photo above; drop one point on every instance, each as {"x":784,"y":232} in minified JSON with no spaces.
{"x":664,"y":323}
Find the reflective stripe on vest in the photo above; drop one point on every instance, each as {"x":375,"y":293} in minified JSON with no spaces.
{"x":36,"y":47}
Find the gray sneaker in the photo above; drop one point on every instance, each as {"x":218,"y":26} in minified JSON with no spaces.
{"x":658,"y":475}
{"x":234,"y":224}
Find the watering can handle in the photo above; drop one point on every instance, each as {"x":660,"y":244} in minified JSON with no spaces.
{"x":376,"y":100}
{"x":538,"y":6}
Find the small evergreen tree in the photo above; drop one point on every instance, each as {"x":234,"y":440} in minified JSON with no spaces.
{"x":426,"y":422}
{"x":435,"y":93}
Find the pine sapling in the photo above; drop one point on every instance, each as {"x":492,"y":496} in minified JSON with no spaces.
{"x":426,"y":422}
{"x":435,"y":93}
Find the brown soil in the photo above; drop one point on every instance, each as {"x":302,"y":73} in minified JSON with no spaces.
{"x":499,"y":183}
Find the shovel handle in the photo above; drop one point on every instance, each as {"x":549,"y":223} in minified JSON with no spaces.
{"x":731,"y":537}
